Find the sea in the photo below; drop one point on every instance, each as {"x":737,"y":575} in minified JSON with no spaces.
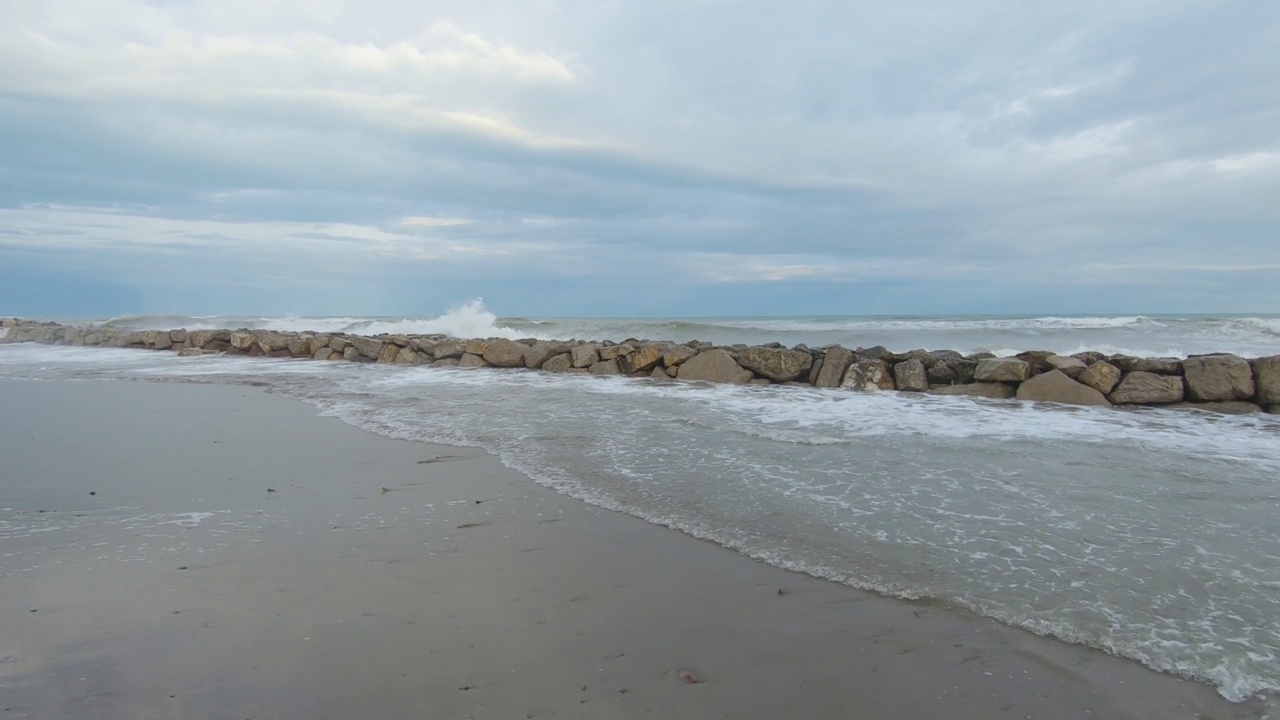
{"x":1150,"y":534}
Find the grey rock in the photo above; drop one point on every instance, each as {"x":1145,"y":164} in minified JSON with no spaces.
{"x":605,"y":367}
{"x":1055,"y":386}
{"x":558,"y":363}
{"x":367,"y":347}
{"x":992,"y":390}
{"x":1212,"y":378}
{"x":472,"y":361}
{"x":674,"y":356}
{"x":1225,"y":407}
{"x":446,"y":349}
{"x":868,"y":375}
{"x":539,"y":352}
{"x":613,"y":352}
{"x":834,"y":366}
{"x":504,"y":353}
{"x":910,"y":376}
{"x":323,"y":353}
{"x":585,"y":356}
{"x":1266,"y":375}
{"x":1159,"y":366}
{"x":1101,"y":376}
{"x":644,"y":359}
{"x":446,"y":362}
{"x":940,"y":373}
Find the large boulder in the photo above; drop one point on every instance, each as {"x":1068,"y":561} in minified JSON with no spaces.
{"x":504,"y":353}
{"x":1211,"y":378}
{"x":389,"y":353}
{"x":409,"y":356}
{"x":868,"y":375}
{"x":242,"y":340}
{"x":469,"y":360}
{"x":1157,"y":365}
{"x":834,"y":365}
{"x":1266,"y":375}
{"x":604,"y":367}
{"x":1056,"y":386}
{"x":613,"y":352}
{"x":584,"y":356}
{"x":1145,"y":388}
{"x":714,"y":365}
{"x":779,"y":365}
{"x":449,"y":349}
{"x":940,"y":373}
{"x":1101,"y":376}
{"x":991,"y":390}
{"x":538,"y":353}
{"x":1071,"y":366}
{"x":644,"y":359}
{"x":674,"y":356}
{"x":366,"y":346}
{"x":910,"y":376}
{"x":558,"y":364}
{"x":1002,"y":370}
{"x":475,"y":346}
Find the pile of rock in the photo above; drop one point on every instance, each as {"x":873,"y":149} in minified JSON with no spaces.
{"x":1218,"y":382}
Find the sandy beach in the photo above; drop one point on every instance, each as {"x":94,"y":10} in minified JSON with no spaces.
{"x":197,"y":551}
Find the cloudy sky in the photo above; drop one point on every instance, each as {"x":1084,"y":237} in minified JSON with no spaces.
{"x":602,"y":157}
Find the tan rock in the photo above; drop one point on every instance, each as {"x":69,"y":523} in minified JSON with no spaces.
{"x":323,"y":353}
{"x":1218,"y":377}
{"x":1266,"y":375}
{"x":476,"y":346}
{"x":1101,"y":376}
{"x":242,"y":340}
{"x":472,"y":361}
{"x":539,"y":352}
{"x":1159,"y":366}
{"x":368,"y":347}
{"x":445,"y":362}
{"x":605,"y":367}
{"x":674,"y":356}
{"x":910,"y":376}
{"x":644,"y":359}
{"x":1002,"y":370}
{"x":190,"y":352}
{"x":504,"y":353}
{"x":449,"y":349}
{"x":613,"y":352}
{"x":585,"y":356}
{"x":714,"y":365}
{"x":1057,"y":387}
{"x":777,"y":364}
{"x":1145,"y":388}
{"x":558,"y":363}
{"x":868,"y":375}
{"x":409,"y":356}
{"x":388,"y":353}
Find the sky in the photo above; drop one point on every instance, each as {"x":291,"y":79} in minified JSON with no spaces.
{"x":659,"y":158}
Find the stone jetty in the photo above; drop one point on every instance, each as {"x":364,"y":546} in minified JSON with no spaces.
{"x":1220,"y":382}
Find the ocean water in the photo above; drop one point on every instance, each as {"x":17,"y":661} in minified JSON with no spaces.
{"x":1151,"y":534}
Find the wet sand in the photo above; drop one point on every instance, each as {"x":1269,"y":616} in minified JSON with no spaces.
{"x":191,"y":551}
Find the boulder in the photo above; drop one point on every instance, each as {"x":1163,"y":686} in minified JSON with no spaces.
{"x":424,"y":346}
{"x":352,"y":354}
{"x":776,"y":364}
{"x":674,"y":356}
{"x":1055,"y":386}
{"x":299,"y":345}
{"x":368,"y":347}
{"x":339,"y":344}
{"x":910,"y":376}
{"x":940,"y":373}
{"x":714,"y":365}
{"x":584,"y":356}
{"x":644,"y":359}
{"x":539,"y":352}
{"x":659,"y":373}
{"x":446,"y":362}
{"x":504,"y":353}
{"x":558,"y":363}
{"x":475,"y":346}
{"x":1101,"y":376}
{"x":1225,"y":407}
{"x":446,"y":349}
{"x":1266,"y":375}
{"x":389,"y":353}
{"x":160,"y":340}
{"x":992,"y":390}
{"x":409,"y":356}
{"x":1159,"y":366}
{"x":1002,"y":370}
{"x":323,"y":353}
{"x":1124,"y":362}
{"x":613,"y":352}
{"x":604,"y":367}
{"x":190,"y":352}
{"x":868,"y":375}
{"x":471,"y":361}
{"x":317,"y":342}
{"x":242,"y":340}
{"x":1212,"y":378}
{"x":1089,"y":357}
{"x":1035,"y":360}
{"x":1145,"y":388}
{"x":1071,"y":366}
{"x":814,"y":370}
{"x":878,"y":352}
{"x":963,"y":368}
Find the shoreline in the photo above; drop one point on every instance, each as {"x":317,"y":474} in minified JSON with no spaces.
{"x":1219,"y":383}
{"x":474,"y":576}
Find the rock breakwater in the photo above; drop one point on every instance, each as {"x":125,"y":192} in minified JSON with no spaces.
{"x":1220,"y":383}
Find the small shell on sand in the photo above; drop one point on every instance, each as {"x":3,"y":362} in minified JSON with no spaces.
{"x":687,"y":676}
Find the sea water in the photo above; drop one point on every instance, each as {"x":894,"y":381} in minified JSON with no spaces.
{"x":1152,"y":534}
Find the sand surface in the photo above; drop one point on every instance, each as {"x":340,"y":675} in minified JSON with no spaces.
{"x":190,"y":551}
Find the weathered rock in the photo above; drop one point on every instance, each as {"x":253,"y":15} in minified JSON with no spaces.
{"x":1225,"y":407}
{"x":964,"y":369}
{"x":1065,"y":363}
{"x":584,"y":356}
{"x":613,"y":352}
{"x":714,"y":365}
{"x":1101,"y":376}
{"x":299,"y":345}
{"x":476,"y":346}
{"x":1002,"y":370}
{"x":910,"y":376}
{"x":190,"y":352}
{"x":940,"y":373}
{"x":340,"y":344}
{"x":868,"y":375}
{"x":1212,"y":378}
{"x":776,"y":364}
{"x":1159,"y":366}
{"x":446,"y":349}
{"x":242,"y":341}
{"x":424,"y":346}
{"x":878,"y":352}
{"x":659,"y":373}
{"x":673,"y":356}
{"x":409,"y":356}
{"x":1145,"y":388}
{"x":558,"y":363}
{"x":504,"y":354}
{"x":1055,"y":386}
{"x":471,"y":361}
{"x":1035,"y":360}
{"x":216,"y":346}
{"x":1266,"y":376}
{"x":446,"y":362}
{"x":317,"y":342}
{"x":161,"y":341}
{"x":811,"y":377}
{"x":992,"y":390}
{"x":389,"y":353}
{"x":367,"y":347}
{"x":281,"y":353}
{"x":539,"y":352}
{"x":644,"y":359}
{"x":351,"y":354}
{"x":1125,"y":363}
{"x":323,"y":353}
{"x":1089,"y":357}
{"x":604,"y":367}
